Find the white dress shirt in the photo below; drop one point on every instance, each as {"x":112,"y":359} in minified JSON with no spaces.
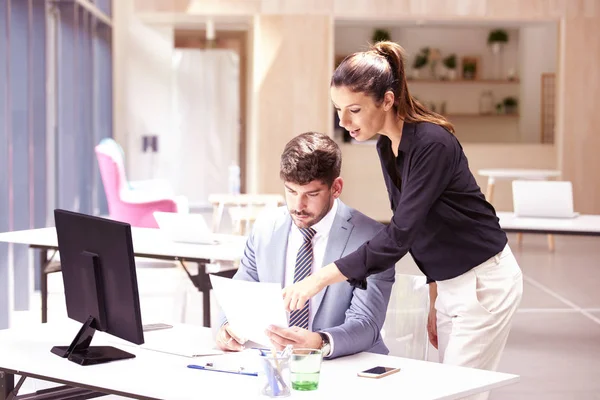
{"x":319,"y":244}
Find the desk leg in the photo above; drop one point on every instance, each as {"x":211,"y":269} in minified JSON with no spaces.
{"x":205,"y":289}
{"x":551,"y":242}
{"x":206,"y":306}
{"x":489,"y":191}
{"x":202,"y":283}
{"x":7,"y":384}
{"x":44,"y":284}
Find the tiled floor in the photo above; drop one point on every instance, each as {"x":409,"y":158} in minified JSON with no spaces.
{"x":555,"y":340}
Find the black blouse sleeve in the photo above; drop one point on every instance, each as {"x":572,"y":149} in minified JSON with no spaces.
{"x":430,"y":172}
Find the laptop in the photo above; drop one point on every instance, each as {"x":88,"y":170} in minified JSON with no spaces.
{"x":185,"y":228}
{"x":543,"y":199}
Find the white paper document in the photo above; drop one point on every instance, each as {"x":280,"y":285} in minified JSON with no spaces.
{"x":181,"y":340}
{"x":250,"y":307}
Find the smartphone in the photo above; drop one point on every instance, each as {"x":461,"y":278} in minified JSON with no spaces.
{"x":378,"y":372}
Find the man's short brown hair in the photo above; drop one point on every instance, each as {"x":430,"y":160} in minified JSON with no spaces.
{"x":311,"y":156}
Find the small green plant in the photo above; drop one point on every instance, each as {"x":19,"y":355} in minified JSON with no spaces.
{"x":450,"y":61}
{"x":510,"y":105}
{"x":420,"y":61}
{"x":381,"y":35}
{"x":469,"y":70}
{"x":498,"y":36}
{"x":422,"y":58}
{"x":510,"y":102}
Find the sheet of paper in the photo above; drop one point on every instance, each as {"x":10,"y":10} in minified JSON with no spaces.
{"x":180,"y":340}
{"x":250,"y":307}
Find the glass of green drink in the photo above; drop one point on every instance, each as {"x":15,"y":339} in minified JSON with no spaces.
{"x":305,"y":368}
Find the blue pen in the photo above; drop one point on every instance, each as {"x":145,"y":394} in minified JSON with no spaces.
{"x":227,"y":371}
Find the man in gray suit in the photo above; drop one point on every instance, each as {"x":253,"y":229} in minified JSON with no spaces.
{"x":315,"y":229}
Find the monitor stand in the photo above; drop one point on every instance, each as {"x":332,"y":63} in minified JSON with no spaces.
{"x":82,"y":353}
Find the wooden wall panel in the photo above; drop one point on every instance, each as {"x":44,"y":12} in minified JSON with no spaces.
{"x":291,"y":71}
{"x":382,"y":9}
{"x":578,"y":122}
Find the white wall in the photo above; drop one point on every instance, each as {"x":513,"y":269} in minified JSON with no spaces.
{"x":143,"y":90}
{"x":533,"y":64}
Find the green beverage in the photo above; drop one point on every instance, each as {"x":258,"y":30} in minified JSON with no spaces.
{"x":305,"y":381}
{"x":305,"y":368}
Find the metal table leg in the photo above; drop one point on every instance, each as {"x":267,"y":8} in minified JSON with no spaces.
{"x":7,"y":384}
{"x":202,"y":283}
{"x":44,"y":284}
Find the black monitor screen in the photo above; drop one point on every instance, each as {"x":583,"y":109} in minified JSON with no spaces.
{"x":98,"y":268}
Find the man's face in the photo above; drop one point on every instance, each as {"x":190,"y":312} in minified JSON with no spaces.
{"x":309,"y":203}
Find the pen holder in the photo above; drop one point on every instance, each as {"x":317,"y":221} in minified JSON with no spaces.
{"x":274,"y":376}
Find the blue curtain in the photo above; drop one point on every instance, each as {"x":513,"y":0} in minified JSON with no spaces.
{"x":83,"y":64}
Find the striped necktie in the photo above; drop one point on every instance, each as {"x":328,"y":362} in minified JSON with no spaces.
{"x":304,"y":261}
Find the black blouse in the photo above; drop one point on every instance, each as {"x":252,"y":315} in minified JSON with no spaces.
{"x":440,"y":215}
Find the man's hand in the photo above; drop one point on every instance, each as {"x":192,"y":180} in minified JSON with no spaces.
{"x":228,"y":340}
{"x":297,"y":337}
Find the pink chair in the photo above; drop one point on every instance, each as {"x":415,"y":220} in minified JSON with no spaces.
{"x":126,"y":202}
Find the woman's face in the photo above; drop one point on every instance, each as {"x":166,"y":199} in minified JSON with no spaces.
{"x":358,"y":113}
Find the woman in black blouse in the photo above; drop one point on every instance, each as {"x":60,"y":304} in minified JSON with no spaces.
{"x":440,"y":215}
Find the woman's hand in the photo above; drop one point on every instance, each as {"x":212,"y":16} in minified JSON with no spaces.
{"x":432,"y":327}
{"x":295,"y":296}
{"x":432,"y":318}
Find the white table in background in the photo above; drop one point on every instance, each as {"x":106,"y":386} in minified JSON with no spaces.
{"x":148,"y":243}
{"x":154,"y":375}
{"x":513,"y":174}
{"x":582,"y":225}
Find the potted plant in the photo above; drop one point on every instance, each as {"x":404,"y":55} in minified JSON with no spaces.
{"x":419,"y":62}
{"x":510,"y":105}
{"x":450,"y":64}
{"x":496,"y":39}
{"x":381,"y":35}
{"x":469,"y":70}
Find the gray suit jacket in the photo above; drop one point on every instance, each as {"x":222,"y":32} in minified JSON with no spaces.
{"x":353,"y":317}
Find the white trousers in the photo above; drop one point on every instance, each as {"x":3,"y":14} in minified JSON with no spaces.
{"x":475,"y":311}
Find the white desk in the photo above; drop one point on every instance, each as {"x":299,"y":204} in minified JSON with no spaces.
{"x":149,"y":243}
{"x":512,"y":174}
{"x":584,"y":225}
{"x":153,"y":375}
{"x":516,"y":173}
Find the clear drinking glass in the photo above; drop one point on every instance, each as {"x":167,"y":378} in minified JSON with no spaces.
{"x":305,"y":368}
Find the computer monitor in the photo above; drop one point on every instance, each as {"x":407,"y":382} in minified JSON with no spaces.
{"x":100,"y":283}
